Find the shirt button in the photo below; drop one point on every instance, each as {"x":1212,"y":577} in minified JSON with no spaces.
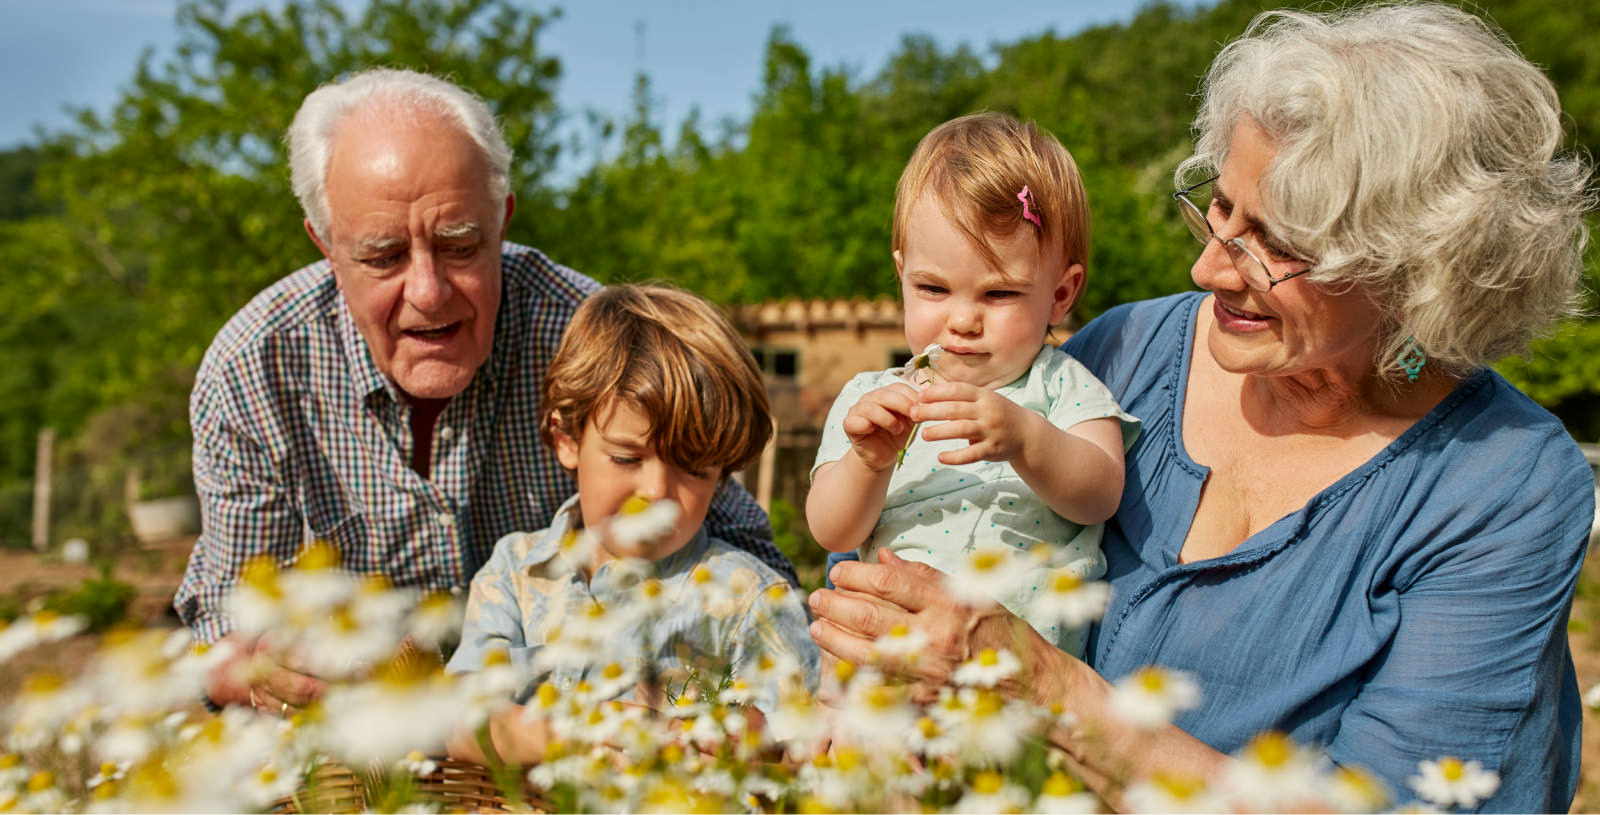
{"x":446,"y":519}
{"x":447,"y":433}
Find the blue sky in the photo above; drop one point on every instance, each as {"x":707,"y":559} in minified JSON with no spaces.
{"x":55,"y":53}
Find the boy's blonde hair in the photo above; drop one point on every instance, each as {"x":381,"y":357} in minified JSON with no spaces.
{"x":673,"y":356}
{"x":975,"y":166}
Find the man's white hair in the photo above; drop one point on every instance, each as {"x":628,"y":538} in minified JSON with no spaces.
{"x":1418,"y":156}
{"x":390,"y":92}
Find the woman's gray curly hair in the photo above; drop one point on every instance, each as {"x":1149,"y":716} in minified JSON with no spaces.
{"x":393,"y":92}
{"x":1417,"y":157}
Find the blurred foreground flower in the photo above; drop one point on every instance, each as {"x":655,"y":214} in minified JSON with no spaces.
{"x":1153,"y":696}
{"x":1453,"y":782}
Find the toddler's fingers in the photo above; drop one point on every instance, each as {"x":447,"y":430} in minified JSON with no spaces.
{"x":875,"y":416}
{"x":960,"y":429}
{"x":950,"y":392}
{"x":975,"y":452}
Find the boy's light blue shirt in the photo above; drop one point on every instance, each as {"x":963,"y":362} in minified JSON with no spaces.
{"x":937,"y":513}
{"x":517,"y":602}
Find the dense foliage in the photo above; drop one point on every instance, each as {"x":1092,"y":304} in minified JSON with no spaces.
{"x":130,"y":238}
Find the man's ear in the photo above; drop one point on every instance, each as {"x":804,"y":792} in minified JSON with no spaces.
{"x":1066,"y":293}
{"x":318,"y":241}
{"x":566,"y":446}
{"x":511,"y":206}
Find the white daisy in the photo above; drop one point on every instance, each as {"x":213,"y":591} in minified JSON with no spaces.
{"x":1069,"y":601}
{"x":1164,"y":792}
{"x":875,"y":713}
{"x":1453,"y":782}
{"x":901,"y":643}
{"x":37,"y":629}
{"x":797,"y":722}
{"x":988,"y":571}
{"x":990,"y":792}
{"x":1272,"y":773}
{"x":1353,"y":789}
{"x":1153,"y":696}
{"x":987,"y":725}
{"x":435,"y":620}
{"x":640,"y":521}
{"x":920,"y":370}
{"x":417,"y":763}
{"x":987,"y":669}
{"x":1062,"y":795}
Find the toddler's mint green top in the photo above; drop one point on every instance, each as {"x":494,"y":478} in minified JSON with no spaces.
{"x":937,"y":513}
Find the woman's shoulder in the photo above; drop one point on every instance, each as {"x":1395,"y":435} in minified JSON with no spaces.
{"x":1489,"y":420}
{"x":1132,"y":345}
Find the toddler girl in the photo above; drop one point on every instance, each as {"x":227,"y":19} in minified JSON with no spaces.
{"x":1019,"y":445}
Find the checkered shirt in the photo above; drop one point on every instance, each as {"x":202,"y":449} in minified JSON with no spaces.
{"x":298,"y":437}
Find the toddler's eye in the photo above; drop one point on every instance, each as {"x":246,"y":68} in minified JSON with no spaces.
{"x":929,"y":288}
{"x":999,"y":294}
{"x":625,"y":461}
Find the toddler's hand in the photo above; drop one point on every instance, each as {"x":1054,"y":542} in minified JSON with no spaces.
{"x":995,"y":425}
{"x":878,"y":425}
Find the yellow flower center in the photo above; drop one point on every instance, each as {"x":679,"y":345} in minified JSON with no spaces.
{"x":41,"y":781}
{"x":988,"y":658}
{"x":108,"y":769}
{"x":1452,"y":768}
{"x":1066,"y":582}
{"x":1152,"y":680}
{"x":928,"y":727}
{"x":106,"y":791}
{"x":548,"y":695}
{"x":701,"y":574}
{"x":1270,"y":749}
{"x":612,"y":671}
{"x":318,"y":555}
{"x":988,"y":782}
{"x":43,"y":682}
{"x":267,"y":775}
{"x":1059,"y":785}
{"x":634,"y":505}
{"x":1180,"y":785}
{"x":847,"y":758}
{"x":261,"y":574}
{"x":495,"y":658}
{"x":46,"y":616}
{"x":985,"y":561}
{"x":9,"y":760}
{"x":777,"y":591}
{"x":844,"y":670}
{"x":651,"y":589}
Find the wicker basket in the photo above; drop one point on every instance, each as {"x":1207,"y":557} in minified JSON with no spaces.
{"x":457,"y":786}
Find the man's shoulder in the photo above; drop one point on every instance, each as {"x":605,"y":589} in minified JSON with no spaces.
{"x":305,"y":299}
{"x":531,"y":273}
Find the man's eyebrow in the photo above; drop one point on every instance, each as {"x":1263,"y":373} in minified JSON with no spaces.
{"x":377,"y":244}
{"x":462,"y":230}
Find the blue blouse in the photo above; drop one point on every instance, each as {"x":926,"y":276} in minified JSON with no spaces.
{"x":1416,"y":608}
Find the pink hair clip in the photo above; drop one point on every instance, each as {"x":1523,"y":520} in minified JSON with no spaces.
{"x":1026,"y":197}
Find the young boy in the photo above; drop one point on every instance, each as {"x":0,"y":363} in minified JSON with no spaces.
{"x":652,"y":400}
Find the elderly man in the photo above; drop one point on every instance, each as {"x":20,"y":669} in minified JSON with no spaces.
{"x":384,"y":399}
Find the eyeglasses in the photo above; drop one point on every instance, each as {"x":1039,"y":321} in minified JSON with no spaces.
{"x":1254,"y":271}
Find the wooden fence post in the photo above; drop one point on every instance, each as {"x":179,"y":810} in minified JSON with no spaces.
{"x":41,"y":489}
{"x":769,"y":463}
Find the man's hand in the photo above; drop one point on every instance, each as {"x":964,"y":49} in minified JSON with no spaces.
{"x":996,"y":426}
{"x":259,"y":676}
{"x":878,"y":425}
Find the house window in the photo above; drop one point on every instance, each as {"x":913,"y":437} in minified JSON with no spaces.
{"x":778,"y":363}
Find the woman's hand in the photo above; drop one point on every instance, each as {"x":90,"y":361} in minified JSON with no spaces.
{"x":871,"y":599}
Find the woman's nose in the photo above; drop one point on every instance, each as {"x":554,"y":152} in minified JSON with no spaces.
{"x":1214,"y":269}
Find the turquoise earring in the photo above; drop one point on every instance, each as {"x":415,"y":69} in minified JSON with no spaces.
{"x":1411,"y":358}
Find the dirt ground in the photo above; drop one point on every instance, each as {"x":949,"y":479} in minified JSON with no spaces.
{"x":155,"y":573}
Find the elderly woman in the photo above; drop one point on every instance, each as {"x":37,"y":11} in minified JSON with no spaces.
{"x":1338,"y":520}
